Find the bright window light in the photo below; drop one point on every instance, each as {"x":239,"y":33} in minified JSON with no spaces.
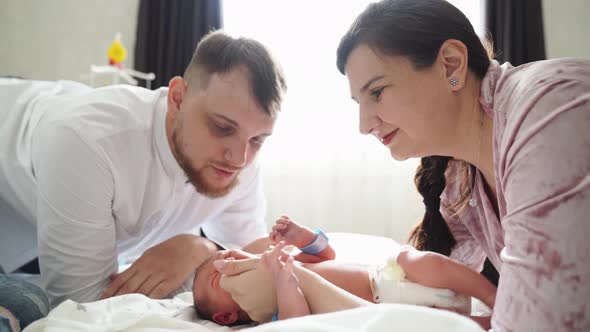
{"x":318,"y":168}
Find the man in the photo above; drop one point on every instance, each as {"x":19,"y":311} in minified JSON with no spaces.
{"x":109,"y":175}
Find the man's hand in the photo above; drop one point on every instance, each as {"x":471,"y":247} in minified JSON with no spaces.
{"x":162,"y":268}
{"x":250,"y":285}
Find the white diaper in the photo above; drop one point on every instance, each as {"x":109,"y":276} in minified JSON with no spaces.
{"x":389,"y":285}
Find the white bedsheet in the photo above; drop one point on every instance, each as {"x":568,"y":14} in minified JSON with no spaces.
{"x":379,"y":317}
{"x":132,"y":312}
{"x":138,"y":313}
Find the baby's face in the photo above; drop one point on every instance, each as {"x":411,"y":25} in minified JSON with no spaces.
{"x":208,"y":295}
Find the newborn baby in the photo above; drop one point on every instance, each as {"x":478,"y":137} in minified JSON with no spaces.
{"x":376,"y":285}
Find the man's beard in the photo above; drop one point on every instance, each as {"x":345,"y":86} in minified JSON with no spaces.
{"x":195,"y":176}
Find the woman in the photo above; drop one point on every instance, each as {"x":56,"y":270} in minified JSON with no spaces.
{"x":505,"y":171}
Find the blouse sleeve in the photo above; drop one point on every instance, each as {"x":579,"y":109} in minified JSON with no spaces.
{"x":467,"y":250}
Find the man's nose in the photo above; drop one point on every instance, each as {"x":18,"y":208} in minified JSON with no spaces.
{"x":237,"y":154}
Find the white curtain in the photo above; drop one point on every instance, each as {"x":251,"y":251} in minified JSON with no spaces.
{"x":317,"y":167}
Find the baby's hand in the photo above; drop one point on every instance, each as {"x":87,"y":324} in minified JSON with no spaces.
{"x":290,"y":232}
{"x":280,"y":265}
{"x":290,"y":299}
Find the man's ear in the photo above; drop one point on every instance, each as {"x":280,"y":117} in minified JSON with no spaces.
{"x":176,"y":93}
{"x":453,"y":56}
{"x":225,"y":318}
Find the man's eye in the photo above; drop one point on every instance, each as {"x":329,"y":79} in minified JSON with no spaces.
{"x":377,"y":92}
{"x":223,"y":130}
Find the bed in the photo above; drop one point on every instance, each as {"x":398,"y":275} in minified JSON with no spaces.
{"x":136,"y":312}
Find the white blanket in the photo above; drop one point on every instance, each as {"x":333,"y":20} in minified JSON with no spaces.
{"x":138,"y":313}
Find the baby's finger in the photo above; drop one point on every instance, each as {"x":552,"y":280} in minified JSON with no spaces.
{"x":277,"y":250}
{"x":288,"y":264}
{"x":270,"y":262}
{"x":279,"y":227}
{"x":278,"y":253}
{"x":284,"y":258}
{"x":275,"y":236}
{"x":282,"y":221}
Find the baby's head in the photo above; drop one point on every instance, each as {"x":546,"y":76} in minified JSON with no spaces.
{"x":211,"y":301}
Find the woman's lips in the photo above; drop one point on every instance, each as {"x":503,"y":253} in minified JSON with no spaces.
{"x":387,"y":139}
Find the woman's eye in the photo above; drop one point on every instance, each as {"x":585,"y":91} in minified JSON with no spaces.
{"x":258,"y":141}
{"x":377,"y":92}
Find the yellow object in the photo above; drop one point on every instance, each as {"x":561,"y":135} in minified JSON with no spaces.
{"x":117,"y":52}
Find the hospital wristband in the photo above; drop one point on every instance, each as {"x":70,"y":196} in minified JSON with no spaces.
{"x":319,"y":244}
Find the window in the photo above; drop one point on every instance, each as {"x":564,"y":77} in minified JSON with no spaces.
{"x":317,"y":166}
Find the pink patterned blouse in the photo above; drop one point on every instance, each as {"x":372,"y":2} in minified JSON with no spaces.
{"x":540,"y":239}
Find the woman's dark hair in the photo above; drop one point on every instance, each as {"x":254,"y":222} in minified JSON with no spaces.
{"x":416,"y":29}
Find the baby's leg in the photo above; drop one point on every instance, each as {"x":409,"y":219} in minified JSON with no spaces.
{"x":291,"y":301}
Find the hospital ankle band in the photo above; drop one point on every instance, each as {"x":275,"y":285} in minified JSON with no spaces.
{"x":319,"y":244}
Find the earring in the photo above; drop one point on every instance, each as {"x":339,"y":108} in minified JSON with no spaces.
{"x":454,"y":81}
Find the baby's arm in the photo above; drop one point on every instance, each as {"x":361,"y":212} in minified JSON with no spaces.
{"x":320,"y":295}
{"x":300,"y":236}
{"x":290,"y":299}
{"x":437,"y":271}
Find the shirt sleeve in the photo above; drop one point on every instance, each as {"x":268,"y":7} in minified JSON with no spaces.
{"x":76,"y":232}
{"x":243,"y":220}
{"x":545,"y":177}
{"x":467,"y":250}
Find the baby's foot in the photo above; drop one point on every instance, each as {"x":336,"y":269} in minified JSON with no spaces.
{"x":291,"y":233}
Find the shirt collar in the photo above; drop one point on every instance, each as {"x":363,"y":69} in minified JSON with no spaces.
{"x":164,"y":151}
{"x":490,"y":83}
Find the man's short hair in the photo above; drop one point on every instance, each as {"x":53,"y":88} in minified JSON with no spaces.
{"x":219,"y":53}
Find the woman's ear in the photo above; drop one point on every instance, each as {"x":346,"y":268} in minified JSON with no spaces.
{"x":453,"y":57}
{"x":225,"y":318}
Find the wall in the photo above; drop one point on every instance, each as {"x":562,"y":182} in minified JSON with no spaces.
{"x":60,"y":39}
{"x":567,"y":31}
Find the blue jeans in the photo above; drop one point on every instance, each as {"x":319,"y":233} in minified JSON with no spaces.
{"x":24,"y":300}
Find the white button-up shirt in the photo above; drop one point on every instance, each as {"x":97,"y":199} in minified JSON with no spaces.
{"x":94,"y":170}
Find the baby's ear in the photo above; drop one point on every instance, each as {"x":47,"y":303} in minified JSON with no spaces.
{"x":225,"y":318}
